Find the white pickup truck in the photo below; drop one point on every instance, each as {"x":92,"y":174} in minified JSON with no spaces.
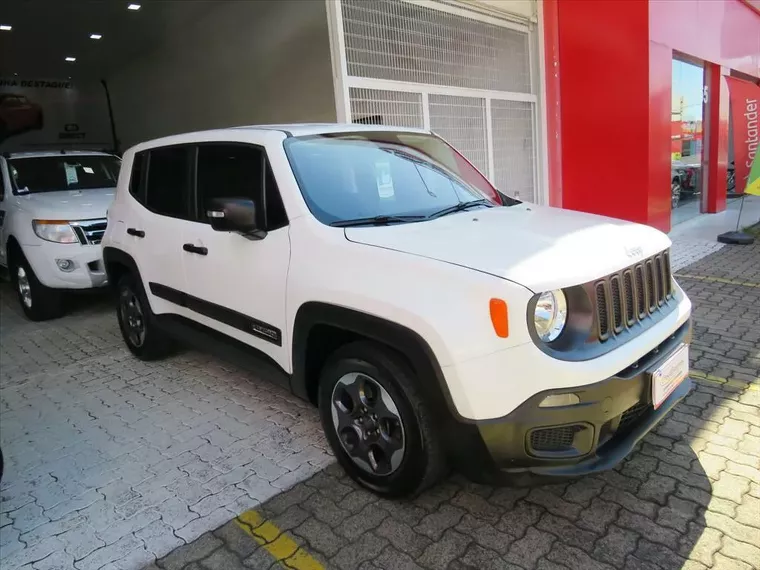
{"x":52,"y":217}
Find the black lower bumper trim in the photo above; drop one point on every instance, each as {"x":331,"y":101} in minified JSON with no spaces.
{"x":590,"y":436}
{"x":610,"y":455}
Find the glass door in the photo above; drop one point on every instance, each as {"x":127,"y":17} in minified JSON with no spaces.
{"x":686,"y":140}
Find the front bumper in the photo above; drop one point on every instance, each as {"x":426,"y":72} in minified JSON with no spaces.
{"x":593,"y":435}
{"x":88,"y":273}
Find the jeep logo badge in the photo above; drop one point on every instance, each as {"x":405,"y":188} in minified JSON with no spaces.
{"x":634,"y":251}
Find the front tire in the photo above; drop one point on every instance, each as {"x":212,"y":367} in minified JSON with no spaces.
{"x":378,"y":425}
{"x":138,"y":323}
{"x":39,"y":303}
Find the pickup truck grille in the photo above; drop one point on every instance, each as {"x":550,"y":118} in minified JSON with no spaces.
{"x":632,"y":295}
{"x":90,"y":232}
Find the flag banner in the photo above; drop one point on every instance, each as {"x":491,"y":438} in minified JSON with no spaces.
{"x":745,"y":110}
{"x":753,"y":183}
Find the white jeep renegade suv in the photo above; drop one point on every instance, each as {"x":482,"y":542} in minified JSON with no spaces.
{"x":52,"y":216}
{"x":376,"y":273}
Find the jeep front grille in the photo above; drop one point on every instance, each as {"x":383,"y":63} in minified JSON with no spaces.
{"x":632,"y":295}
{"x":90,"y":232}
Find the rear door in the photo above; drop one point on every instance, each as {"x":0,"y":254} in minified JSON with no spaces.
{"x":162,"y":185}
{"x":238,"y":284}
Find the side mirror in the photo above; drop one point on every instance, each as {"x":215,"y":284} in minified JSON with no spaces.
{"x":234,"y":215}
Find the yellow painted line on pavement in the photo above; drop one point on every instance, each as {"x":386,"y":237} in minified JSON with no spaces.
{"x":717,"y":280}
{"x":712,"y":379}
{"x":277,"y":543}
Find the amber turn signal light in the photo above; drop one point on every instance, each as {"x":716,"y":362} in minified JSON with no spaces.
{"x":499,"y":317}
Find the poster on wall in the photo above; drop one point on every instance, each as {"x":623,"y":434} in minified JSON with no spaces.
{"x":745,"y":110}
{"x":40,"y":113}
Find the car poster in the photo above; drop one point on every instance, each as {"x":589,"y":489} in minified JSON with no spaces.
{"x":39,"y":113}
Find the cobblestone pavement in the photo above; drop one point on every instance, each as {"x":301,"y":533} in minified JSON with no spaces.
{"x":687,"y":499}
{"x":114,"y":462}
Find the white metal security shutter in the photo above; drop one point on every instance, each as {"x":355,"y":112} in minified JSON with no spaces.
{"x":381,"y":107}
{"x":436,"y":65}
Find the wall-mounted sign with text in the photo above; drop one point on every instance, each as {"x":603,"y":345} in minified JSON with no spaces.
{"x":39,"y":113}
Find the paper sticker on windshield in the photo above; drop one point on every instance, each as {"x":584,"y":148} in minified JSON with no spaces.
{"x":88,"y":170}
{"x":384,"y":180}
{"x":71,"y":174}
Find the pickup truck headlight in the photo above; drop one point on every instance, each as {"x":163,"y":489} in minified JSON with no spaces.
{"x":57,"y":231}
{"x":550,"y":315}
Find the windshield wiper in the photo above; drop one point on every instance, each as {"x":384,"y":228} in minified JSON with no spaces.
{"x":376,"y":221}
{"x":462,"y":206}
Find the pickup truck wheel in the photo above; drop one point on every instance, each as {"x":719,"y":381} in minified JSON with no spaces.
{"x":38,"y":302}
{"x":378,"y":425}
{"x":137,"y":323}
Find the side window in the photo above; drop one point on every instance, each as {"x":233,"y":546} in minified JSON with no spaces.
{"x":168,"y":185}
{"x":136,"y":180}
{"x":238,"y":171}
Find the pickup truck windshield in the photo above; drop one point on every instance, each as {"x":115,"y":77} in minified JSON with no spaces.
{"x":384,"y":177}
{"x":34,"y":174}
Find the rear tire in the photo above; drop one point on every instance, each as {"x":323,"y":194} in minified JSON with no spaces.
{"x":39,"y":303}
{"x":377,"y":422}
{"x":137,"y":322}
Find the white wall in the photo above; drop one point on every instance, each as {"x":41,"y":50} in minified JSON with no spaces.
{"x":242,"y":63}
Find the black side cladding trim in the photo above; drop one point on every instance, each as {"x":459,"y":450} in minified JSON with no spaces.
{"x":229,"y":317}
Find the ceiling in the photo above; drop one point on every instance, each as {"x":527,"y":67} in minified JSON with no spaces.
{"x":47,"y":31}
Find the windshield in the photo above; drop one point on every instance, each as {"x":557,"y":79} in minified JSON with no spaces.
{"x":31,"y":175}
{"x":389,"y":175}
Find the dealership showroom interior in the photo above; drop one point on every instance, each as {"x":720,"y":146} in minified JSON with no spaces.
{"x":219,"y":349}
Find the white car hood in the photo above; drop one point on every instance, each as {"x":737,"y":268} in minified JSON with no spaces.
{"x":539,"y":247}
{"x":68,"y":204}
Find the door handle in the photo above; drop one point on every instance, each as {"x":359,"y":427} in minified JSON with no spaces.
{"x":136,"y":233}
{"x":195,"y":249}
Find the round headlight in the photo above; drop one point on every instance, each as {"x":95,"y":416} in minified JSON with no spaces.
{"x":550,"y":315}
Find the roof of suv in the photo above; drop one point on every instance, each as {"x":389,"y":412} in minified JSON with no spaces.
{"x":305,"y":129}
{"x":291,"y":130}
{"x":38,"y":153}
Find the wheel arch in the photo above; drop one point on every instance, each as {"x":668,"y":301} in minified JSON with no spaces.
{"x":117,"y":263}
{"x":321,"y":328}
{"x":12,"y":246}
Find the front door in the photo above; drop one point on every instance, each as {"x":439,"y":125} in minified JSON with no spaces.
{"x":237,"y":285}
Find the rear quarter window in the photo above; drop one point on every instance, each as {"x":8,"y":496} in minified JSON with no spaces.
{"x":137,"y":177}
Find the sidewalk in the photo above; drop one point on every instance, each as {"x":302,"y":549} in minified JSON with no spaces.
{"x":697,"y":238}
{"x":687,"y":499}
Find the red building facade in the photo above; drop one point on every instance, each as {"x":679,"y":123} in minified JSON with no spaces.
{"x":606,"y":57}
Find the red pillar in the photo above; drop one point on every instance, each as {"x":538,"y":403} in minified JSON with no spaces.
{"x":553,"y":109}
{"x":615,"y":110}
{"x":660,"y":105}
{"x":715,"y":151}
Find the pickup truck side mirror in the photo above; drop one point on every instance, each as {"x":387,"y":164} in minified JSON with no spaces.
{"x":235,"y":215}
